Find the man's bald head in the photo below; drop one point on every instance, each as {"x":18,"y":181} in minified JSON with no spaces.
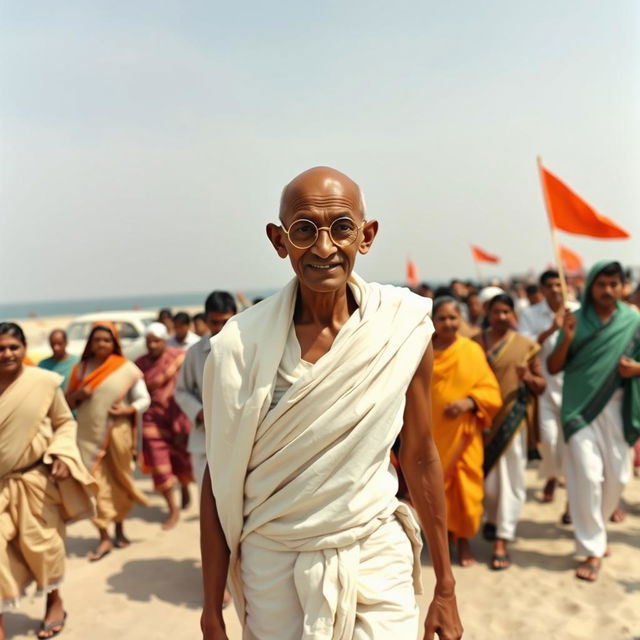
{"x":321,"y":187}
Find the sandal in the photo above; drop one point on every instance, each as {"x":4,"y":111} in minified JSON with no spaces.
{"x":592,"y":568}
{"x":49,"y":628}
{"x":500,"y":561}
{"x":94,"y":556}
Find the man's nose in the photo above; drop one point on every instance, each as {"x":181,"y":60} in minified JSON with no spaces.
{"x":324,"y":246}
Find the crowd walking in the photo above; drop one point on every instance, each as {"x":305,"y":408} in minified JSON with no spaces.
{"x":285,"y":415}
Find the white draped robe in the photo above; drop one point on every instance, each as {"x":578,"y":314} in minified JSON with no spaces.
{"x":312,"y":475}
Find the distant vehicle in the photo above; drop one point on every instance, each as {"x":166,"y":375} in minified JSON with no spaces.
{"x":131,"y":326}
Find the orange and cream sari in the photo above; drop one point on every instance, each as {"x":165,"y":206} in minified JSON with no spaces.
{"x":462,"y":371}
{"x":36,"y":426}
{"x":107,"y":443}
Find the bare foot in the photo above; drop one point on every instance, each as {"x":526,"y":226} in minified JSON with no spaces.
{"x":171,"y":521}
{"x":121,"y":540}
{"x":104,"y":547}
{"x":588,"y":570}
{"x":465,"y":555}
{"x":618,"y":515}
{"x":186,"y":497}
{"x":54,"y":618}
{"x":549,"y":490}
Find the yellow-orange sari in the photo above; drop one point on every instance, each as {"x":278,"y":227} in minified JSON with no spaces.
{"x":462,"y":371}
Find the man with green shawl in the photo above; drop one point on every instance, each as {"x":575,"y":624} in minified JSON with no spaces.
{"x":599,"y":351}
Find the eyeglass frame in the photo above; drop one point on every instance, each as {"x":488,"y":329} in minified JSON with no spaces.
{"x":319,"y":229}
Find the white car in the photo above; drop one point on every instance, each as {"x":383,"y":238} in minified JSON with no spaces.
{"x":131,"y":326}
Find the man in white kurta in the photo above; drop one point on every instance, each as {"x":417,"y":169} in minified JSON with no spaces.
{"x":541,"y":322}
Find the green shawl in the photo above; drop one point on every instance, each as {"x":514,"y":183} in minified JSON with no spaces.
{"x":591,"y":372}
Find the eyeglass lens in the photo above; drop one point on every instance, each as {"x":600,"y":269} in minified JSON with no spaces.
{"x":304,"y":233}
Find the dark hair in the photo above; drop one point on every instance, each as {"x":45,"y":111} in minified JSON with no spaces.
{"x":442,"y":300}
{"x":164,"y":313}
{"x":257,"y":300}
{"x":547,"y":275}
{"x":504,"y":298}
{"x":62,"y":332}
{"x":182,"y":317}
{"x":612,"y":269}
{"x":220,"y":302}
{"x":14,"y":330}
{"x":199,"y":316}
{"x":441,"y":292}
{"x":530,"y":289}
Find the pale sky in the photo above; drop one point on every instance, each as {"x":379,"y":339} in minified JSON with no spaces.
{"x":144,"y":144}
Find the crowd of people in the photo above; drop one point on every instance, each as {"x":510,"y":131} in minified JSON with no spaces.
{"x":521,"y":371}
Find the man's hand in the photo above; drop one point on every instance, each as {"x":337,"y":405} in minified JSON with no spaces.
{"x":212,"y":630}
{"x":558,"y":320}
{"x":454,"y":409}
{"x":118,"y":409}
{"x":443,"y":619}
{"x":628,"y":368}
{"x":59,"y":470}
{"x":569,"y":326}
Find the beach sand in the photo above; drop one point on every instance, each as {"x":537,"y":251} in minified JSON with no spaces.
{"x":152,"y":589}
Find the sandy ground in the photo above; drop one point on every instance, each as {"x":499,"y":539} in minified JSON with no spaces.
{"x":152,"y":589}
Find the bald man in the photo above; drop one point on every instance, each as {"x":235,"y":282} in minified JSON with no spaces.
{"x":61,"y":361}
{"x":304,"y":394}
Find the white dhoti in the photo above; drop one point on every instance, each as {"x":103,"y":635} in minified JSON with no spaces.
{"x":197,"y":451}
{"x":597,"y":467}
{"x":294,"y":596}
{"x":551,"y":444}
{"x":505,"y":488}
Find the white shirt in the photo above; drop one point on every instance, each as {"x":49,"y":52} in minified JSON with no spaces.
{"x":533,"y":321}
{"x":189,"y":341}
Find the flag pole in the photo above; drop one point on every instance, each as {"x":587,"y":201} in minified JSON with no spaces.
{"x":554,"y":236}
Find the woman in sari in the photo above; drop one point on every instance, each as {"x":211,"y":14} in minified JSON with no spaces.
{"x":109,"y":395}
{"x":513,"y":358}
{"x":465,"y":398}
{"x":43,"y":483}
{"x":165,"y":428}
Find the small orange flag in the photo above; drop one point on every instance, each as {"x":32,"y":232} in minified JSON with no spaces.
{"x":571,"y":261}
{"x":412,"y":273}
{"x":568,"y":212}
{"x":480,"y":255}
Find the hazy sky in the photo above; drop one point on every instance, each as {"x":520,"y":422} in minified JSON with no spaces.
{"x":144,"y":144}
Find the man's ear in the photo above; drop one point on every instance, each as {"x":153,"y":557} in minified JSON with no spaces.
{"x":276,"y":237}
{"x":369,"y":232}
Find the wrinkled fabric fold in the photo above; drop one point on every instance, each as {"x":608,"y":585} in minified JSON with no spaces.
{"x":312,"y":474}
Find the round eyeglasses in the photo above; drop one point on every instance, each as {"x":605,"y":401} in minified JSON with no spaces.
{"x":304,"y":233}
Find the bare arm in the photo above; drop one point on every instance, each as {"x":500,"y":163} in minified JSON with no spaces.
{"x":557,"y":360}
{"x":531,"y":374}
{"x":215,"y":564}
{"x":421,"y":466}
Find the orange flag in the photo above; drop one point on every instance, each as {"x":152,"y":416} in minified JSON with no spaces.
{"x":412,"y":273}
{"x":480,"y":255}
{"x":568,"y":212}
{"x":571,"y":261}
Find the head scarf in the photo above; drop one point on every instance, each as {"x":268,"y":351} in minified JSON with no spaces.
{"x":158,"y":330}
{"x":108,"y":326}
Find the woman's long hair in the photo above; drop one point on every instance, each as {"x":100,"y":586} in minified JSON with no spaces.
{"x":110,"y":328}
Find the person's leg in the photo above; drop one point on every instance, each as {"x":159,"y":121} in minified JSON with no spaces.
{"x":511,"y":469}
{"x":465,"y":554}
{"x":121,"y":539}
{"x":386,"y":601}
{"x":616,"y":460}
{"x":105,"y":513}
{"x":54,"y":617}
{"x":273,"y":610}
{"x":550,"y":442}
{"x":584,"y":476}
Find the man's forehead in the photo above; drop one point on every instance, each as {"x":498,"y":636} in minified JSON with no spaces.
{"x":321,"y":186}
